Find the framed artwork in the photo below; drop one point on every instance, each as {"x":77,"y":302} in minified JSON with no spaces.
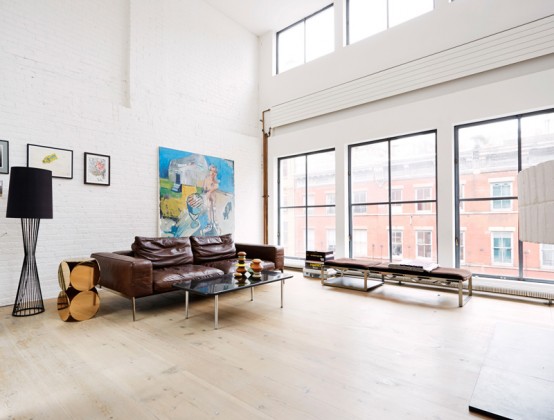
{"x":59,"y":161}
{"x":197,"y":194}
{"x":4,"y":157}
{"x":97,"y":169}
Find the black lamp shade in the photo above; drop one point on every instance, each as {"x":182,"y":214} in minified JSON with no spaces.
{"x":30,"y":193}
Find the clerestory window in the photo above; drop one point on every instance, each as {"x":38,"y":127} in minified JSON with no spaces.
{"x":306,"y":40}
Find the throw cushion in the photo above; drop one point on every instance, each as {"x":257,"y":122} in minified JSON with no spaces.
{"x":163,"y":252}
{"x":211,"y":248}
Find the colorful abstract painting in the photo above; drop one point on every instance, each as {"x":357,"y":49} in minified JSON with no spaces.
{"x":197,"y":194}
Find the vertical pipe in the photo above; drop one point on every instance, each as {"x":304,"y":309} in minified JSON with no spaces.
{"x":265,"y":137}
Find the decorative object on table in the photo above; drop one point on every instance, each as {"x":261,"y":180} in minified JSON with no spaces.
{"x":4,"y":157}
{"x":59,"y":161}
{"x":78,"y":300}
{"x":241,"y":265}
{"x":30,"y":199}
{"x":197,"y":194}
{"x":256,"y":267}
{"x":97,"y":169}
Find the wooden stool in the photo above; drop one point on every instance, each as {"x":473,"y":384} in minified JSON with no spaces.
{"x":78,"y":300}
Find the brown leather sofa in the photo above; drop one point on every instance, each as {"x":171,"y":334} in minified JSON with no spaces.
{"x":153,"y":265}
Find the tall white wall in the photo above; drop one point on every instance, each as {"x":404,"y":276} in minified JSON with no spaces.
{"x":121,"y":78}
{"x":522,"y":87}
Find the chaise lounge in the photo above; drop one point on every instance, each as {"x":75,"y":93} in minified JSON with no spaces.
{"x":154,"y":265}
{"x":440,"y":276}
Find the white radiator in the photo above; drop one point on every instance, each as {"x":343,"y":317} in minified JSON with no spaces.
{"x":511,"y":46}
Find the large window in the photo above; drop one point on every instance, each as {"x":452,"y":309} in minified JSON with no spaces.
{"x":397,"y":177}
{"x":306,"y":209}
{"x":306,"y":40}
{"x":489,"y":155}
{"x":366,"y":18}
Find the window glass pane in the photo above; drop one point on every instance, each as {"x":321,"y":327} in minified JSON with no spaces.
{"x":490,"y":239}
{"x":413,"y":166}
{"x":331,"y":240}
{"x":321,"y":176}
{"x":293,"y":232}
{"x":320,"y":223}
{"x":320,"y":34}
{"x":402,"y":10}
{"x":537,"y":139}
{"x":291,"y":47}
{"x":369,"y":171}
{"x":397,"y":244}
{"x":292,"y":182}
{"x":487,"y":151}
{"x":366,"y":18}
{"x":374,"y":222}
{"x":414,"y":243}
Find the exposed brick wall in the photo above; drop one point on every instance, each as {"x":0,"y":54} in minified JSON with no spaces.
{"x":120,"y":78}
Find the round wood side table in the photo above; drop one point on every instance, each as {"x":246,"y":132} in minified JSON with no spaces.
{"x":78,"y":300}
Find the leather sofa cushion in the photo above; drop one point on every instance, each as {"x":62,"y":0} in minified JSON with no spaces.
{"x":164,"y":278}
{"x":163,"y":252}
{"x":212,"y":248}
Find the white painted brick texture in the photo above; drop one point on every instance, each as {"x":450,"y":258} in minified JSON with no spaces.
{"x":121,"y":78}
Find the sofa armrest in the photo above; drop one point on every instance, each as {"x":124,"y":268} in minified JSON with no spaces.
{"x":127,"y":275}
{"x":274,"y":253}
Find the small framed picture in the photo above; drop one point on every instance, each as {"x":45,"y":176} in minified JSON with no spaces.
{"x":4,"y":157}
{"x":97,"y":169}
{"x":59,"y":161}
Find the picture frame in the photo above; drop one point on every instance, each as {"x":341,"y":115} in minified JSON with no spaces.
{"x":59,"y":161}
{"x":4,"y":157}
{"x":97,"y":169}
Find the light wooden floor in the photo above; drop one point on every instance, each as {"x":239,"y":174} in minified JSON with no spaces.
{"x":396,"y":352}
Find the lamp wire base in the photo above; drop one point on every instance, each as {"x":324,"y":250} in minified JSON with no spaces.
{"x":28,"y":300}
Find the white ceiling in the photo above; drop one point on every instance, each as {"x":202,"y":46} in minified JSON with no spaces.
{"x":261,"y":16}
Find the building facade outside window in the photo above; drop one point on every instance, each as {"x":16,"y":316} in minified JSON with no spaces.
{"x":396,"y":237}
{"x":501,"y":189}
{"x":366,"y":18}
{"x":424,"y":245}
{"x":423,"y":193}
{"x":331,"y":240}
{"x":488,"y":156}
{"x":330,"y":202}
{"x":547,"y":256}
{"x":306,"y":40}
{"x":359,"y":240}
{"x":306,"y":213}
{"x":360,"y":197}
{"x":391,"y":173}
{"x":502,"y":248}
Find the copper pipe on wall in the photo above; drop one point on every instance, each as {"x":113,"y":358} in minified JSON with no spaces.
{"x":265,"y":196}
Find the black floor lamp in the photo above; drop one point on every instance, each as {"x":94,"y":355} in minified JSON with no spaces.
{"x":29,"y":199}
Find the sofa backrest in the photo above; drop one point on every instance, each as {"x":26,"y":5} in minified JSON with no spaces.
{"x":212,"y":248}
{"x":163,"y":252}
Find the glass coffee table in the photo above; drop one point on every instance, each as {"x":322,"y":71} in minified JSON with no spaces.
{"x":226,"y":284}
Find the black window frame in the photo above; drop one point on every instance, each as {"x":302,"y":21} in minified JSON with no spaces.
{"x":457,"y":200}
{"x":390,"y":203}
{"x":306,"y":207}
{"x":303,"y":21}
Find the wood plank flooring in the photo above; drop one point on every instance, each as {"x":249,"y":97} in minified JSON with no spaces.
{"x":395,"y":352}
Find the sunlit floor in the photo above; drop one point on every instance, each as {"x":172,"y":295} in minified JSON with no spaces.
{"x":394,"y":352}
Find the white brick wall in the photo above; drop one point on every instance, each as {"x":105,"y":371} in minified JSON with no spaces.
{"x":120,"y":78}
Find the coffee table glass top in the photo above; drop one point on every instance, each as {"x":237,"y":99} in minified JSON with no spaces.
{"x":227,"y":283}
